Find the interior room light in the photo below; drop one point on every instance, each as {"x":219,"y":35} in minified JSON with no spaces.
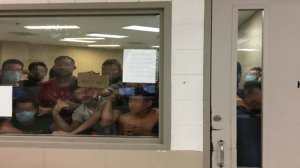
{"x":247,"y":49}
{"x":105,"y":35}
{"x":107,"y":45}
{"x":142,"y":28}
{"x":49,"y":27}
{"x":88,"y":38}
{"x":154,"y":46}
{"x":76,"y":40}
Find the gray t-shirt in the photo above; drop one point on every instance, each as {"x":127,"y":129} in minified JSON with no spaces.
{"x":82,"y":113}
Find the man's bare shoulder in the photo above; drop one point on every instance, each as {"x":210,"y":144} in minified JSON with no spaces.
{"x":154,"y":112}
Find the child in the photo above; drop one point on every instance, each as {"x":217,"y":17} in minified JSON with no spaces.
{"x":25,"y":118}
{"x":142,"y":119}
{"x":90,"y":107}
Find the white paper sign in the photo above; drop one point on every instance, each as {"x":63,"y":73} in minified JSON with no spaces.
{"x":6,"y":101}
{"x":139,"y":65}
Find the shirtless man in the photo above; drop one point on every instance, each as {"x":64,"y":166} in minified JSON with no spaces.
{"x":142,"y":119}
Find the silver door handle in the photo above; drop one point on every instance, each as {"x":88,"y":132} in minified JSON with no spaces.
{"x":221,"y":144}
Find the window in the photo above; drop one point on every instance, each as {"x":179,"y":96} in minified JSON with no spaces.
{"x":88,"y":75}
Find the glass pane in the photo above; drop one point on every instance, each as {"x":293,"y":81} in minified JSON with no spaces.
{"x":249,"y":90}
{"x":83,"y":75}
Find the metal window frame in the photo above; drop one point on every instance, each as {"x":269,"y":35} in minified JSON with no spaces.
{"x":93,"y":9}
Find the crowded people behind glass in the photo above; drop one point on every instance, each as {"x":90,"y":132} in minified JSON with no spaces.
{"x":59,"y":105}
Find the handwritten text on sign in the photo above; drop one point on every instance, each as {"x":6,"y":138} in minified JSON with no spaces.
{"x":92,"y":80}
{"x":140,"y":65}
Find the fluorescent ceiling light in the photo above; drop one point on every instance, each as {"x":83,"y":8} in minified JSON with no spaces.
{"x":142,"y":28}
{"x":247,"y":49}
{"x":88,"y":38}
{"x":105,"y":35}
{"x":108,"y":45}
{"x":49,"y":27}
{"x":155,"y":46}
{"x":76,"y":40}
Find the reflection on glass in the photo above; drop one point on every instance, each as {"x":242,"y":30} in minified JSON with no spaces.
{"x":249,"y":93}
{"x":68,"y":75}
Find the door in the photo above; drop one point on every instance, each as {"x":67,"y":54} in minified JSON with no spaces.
{"x":281,"y":86}
{"x":222,"y":86}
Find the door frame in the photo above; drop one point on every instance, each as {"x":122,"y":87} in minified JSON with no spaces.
{"x":207,"y":69}
{"x":207,"y":84}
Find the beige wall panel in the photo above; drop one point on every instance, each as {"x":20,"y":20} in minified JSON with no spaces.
{"x":21,"y":158}
{"x":79,"y":158}
{"x":75,"y":158}
{"x":281,"y":95}
{"x":15,"y":50}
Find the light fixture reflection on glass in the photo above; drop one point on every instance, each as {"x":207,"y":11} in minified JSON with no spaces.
{"x":76,"y":40}
{"x":105,"y":35}
{"x":87,"y":38}
{"x":55,"y":27}
{"x":247,"y":49}
{"x":108,"y":45}
{"x":142,"y":28}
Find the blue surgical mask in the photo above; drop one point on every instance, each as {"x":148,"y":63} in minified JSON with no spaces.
{"x":11,"y":77}
{"x":25,"y":116}
{"x":126,"y":91}
{"x":250,"y":78}
{"x":149,"y":88}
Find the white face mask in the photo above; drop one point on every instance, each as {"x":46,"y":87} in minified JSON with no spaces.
{"x":11,"y":77}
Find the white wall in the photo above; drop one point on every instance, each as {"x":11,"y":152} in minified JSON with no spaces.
{"x":187,"y":74}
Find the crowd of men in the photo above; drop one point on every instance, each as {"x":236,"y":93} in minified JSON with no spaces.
{"x":59,"y":106}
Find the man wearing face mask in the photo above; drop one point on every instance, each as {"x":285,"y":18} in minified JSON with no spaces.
{"x":37,"y":72}
{"x":254,"y":74}
{"x":11,"y":73}
{"x":26,"y":120}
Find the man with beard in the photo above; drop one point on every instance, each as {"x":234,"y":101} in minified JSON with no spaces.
{"x":59,"y":89}
{"x":37,"y":72}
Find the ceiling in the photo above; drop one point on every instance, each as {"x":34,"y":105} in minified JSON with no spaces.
{"x":12,"y":29}
{"x":244,"y":15}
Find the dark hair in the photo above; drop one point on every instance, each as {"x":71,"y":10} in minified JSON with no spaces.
{"x":24,"y":100}
{"x":239,"y":74}
{"x":239,"y":68}
{"x":12,"y":61}
{"x":148,"y":94}
{"x":256,"y":68}
{"x":64,"y":57}
{"x":110,"y":62}
{"x":52,"y":73}
{"x":35,"y":64}
{"x":249,"y":88}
